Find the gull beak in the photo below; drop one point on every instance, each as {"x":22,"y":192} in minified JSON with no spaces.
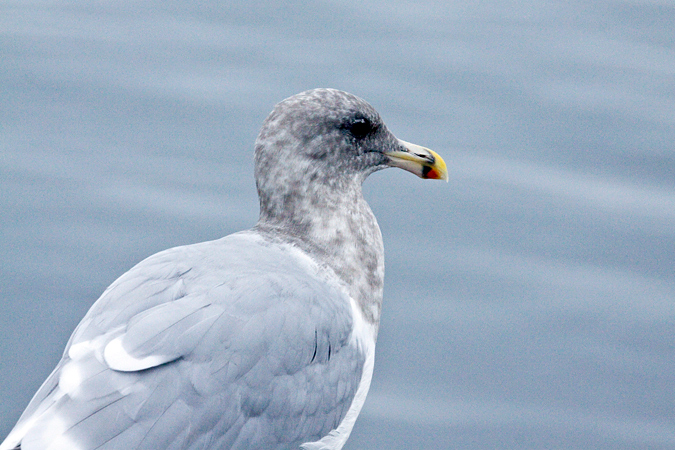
{"x":419,"y":160}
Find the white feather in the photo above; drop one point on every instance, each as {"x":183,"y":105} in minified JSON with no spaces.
{"x":117,"y":358}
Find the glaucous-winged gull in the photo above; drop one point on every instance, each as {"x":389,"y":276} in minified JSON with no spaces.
{"x":263,"y":339}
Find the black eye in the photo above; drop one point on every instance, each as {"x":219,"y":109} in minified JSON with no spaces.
{"x":360,"y":127}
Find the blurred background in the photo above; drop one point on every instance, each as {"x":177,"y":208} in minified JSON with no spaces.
{"x":529,"y":304}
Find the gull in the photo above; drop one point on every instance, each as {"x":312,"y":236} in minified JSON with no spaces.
{"x":263,"y":339}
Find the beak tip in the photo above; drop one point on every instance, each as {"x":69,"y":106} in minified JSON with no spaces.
{"x":439,"y":169}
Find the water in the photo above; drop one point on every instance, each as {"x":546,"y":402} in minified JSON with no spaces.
{"x":529,"y":304}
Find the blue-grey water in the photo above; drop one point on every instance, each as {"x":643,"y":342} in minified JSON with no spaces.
{"x":529,"y":303}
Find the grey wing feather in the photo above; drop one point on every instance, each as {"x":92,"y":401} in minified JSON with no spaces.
{"x":173,"y":356}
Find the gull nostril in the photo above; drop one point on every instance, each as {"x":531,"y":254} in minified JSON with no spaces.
{"x":427,"y":158}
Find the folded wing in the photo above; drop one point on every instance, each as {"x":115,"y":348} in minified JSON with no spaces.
{"x":244,"y":357}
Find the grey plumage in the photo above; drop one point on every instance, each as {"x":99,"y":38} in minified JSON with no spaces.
{"x":263,"y":339}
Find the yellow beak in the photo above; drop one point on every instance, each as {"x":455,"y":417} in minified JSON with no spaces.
{"x":419,"y":160}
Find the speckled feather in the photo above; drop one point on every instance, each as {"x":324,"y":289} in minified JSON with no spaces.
{"x":261,"y":340}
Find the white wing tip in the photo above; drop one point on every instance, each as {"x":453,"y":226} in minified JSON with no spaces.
{"x":117,"y":358}
{"x":16,"y":435}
